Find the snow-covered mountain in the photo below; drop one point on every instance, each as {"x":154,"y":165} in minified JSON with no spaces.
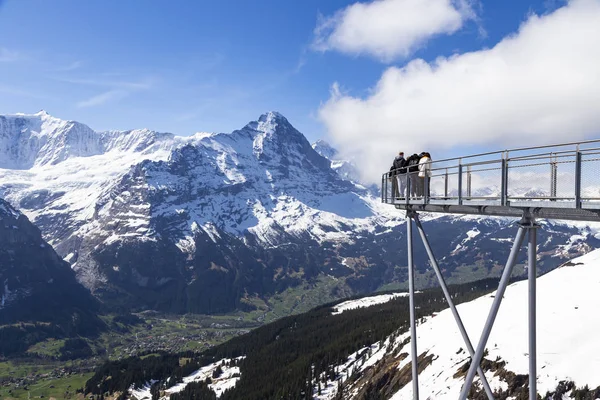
{"x":567,"y":346}
{"x":345,"y":168}
{"x":199,"y":223}
{"x":55,"y":170}
{"x":28,"y":141}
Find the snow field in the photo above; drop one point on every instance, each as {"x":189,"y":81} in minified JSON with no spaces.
{"x":227,"y":380}
{"x":366,"y":302}
{"x":567,"y":328}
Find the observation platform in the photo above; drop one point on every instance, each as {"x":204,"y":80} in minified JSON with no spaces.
{"x":556,"y":182}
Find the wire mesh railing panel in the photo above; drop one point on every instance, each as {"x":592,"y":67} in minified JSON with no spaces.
{"x":590,"y":175}
{"x":528,"y":178}
{"x":482,"y":181}
{"x":564,"y":171}
{"x":386,"y":188}
{"x":543,"y":177}
{"x":444,"y":183}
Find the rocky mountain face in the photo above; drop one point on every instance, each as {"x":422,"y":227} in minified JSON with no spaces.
{"x":206,"y":223}
{"x":345,"y":168}
{"x":35,"y":283}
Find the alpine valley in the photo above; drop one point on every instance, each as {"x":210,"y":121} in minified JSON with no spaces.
{"x":128,"y":243}
{"x":217,"y":222}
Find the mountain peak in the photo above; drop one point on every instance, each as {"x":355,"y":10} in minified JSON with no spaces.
{"x":268,"y":122}
{"x":272,"y":116}
{"x":41,"y":115}
{"x":324,"y":149}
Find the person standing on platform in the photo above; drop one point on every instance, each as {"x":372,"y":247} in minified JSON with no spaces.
{"x":424,"y":174}
{"x":393,"y":176}
{"x":399,"y":167}
{"x":412,"y":164}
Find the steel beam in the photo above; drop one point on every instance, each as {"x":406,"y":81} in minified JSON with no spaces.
{"x":537,"y":209}
{"x":487,"y":329}
{"x":532,"y":273}
{"x":411,"y":301}
{"x":457,"y":318}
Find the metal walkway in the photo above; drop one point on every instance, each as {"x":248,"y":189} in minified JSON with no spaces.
{"x":556,"y":182}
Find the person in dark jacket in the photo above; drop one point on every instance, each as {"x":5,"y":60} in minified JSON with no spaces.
{"x":398,"y":175}
{"x":400,"y":165}
{"x":412,"y":164}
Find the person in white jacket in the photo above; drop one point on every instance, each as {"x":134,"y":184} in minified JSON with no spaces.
{"x":424,"y":174}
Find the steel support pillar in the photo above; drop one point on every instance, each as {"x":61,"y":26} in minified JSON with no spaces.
{"x":411,"y":301}
{"x":457,"y":318}
{"x":487,"y":329}
{"x":532,"y":274}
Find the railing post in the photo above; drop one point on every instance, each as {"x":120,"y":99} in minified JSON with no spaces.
{"x":446,"y":185}
{"x":553,"y":177}
{"x":408,"y":187}
{"x":578,"y":178}
{"x":387,"y":199}
{"x":459,"y":182}
{"x":426,"y":188}
{"x":469,"y":182}
{"x":504,"y":183}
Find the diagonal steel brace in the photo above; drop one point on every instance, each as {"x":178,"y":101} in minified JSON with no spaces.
{"x":457,"y":318}
{"x":487,"y":329}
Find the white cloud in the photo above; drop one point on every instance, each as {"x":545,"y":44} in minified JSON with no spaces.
{"x":389,"y":29}
{"x":144,"y":84}
{"x":541,"y":84}
{"x":7,"y":55}
{"x":102,"y":98}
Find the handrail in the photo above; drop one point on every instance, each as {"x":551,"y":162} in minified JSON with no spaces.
{"x":571,"y":180}
{"x":518,"y":149}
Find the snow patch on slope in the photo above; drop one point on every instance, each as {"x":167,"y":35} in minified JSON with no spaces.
{"x":229,"y":377}
{"x":470,"y":236}
{"x":366,"y":302}
{"x":143,"y":392}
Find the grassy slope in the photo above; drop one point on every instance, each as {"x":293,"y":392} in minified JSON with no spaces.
{"x":63,"y":388}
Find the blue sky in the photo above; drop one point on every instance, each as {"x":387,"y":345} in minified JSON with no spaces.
{"x":188,"y":66}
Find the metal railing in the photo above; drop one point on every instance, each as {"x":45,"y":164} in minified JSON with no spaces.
{"x":556,"y":176}
{"x":558,"y":181}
